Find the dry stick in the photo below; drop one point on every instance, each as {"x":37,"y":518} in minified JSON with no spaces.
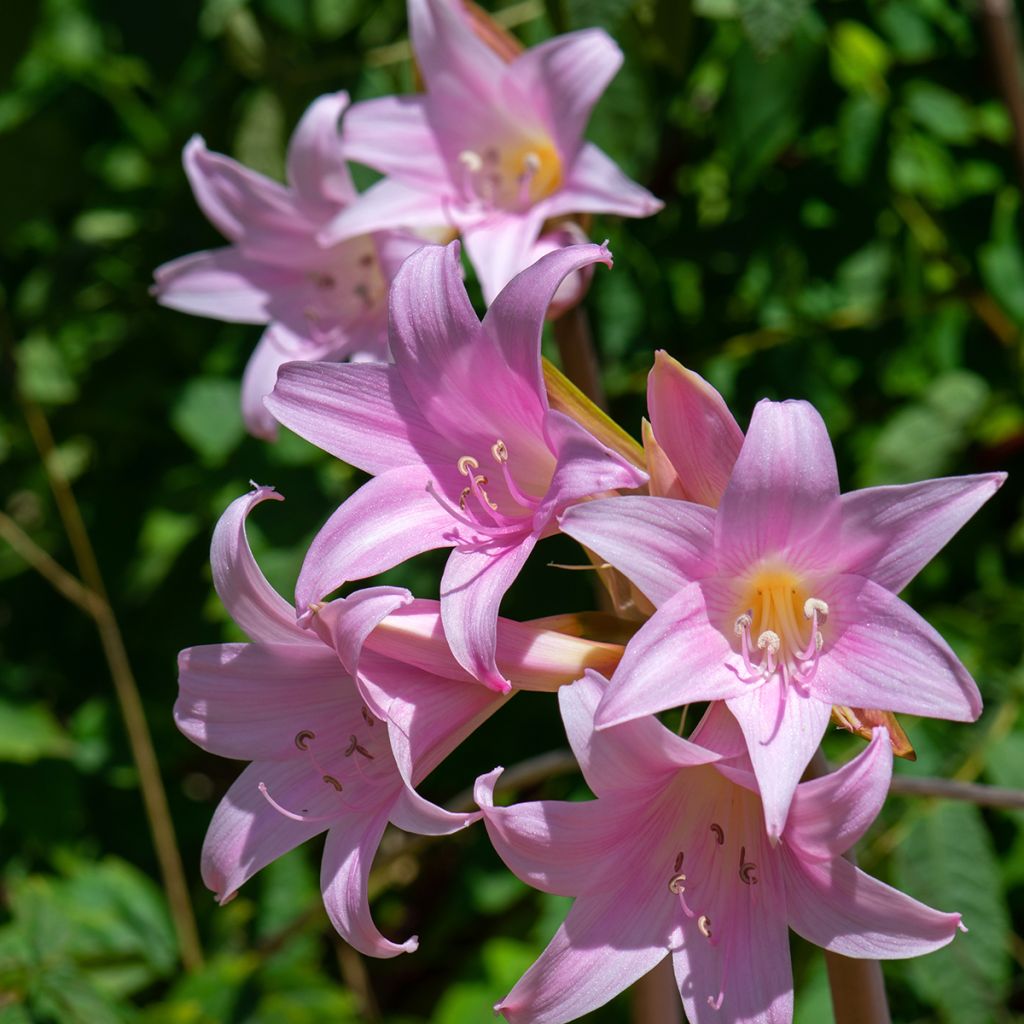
{"x":858,"y":987}
{"x":1002,"y":33}
{"x":154,"y":797}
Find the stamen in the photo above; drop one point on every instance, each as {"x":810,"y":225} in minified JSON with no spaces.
{"x":333,"y":782}
{"x":769,"y":640}
{"x":747,"y":868}
{"x":302,"y":738}
{"x":719,"y":833}
{"x":367,"y":717}
{"x":704,"y":924}
{"x":472,"y":161}
{"x":467,"y":464}
{"x":500,"y":452}
{"x":743,"y":623}
{"x":815,"y":606}
{"x":679,"y":861}
{"x":676,"y":884}
{"x":716,"y":1003}
{"x":290,"y":814}
{"x":354,"y":747}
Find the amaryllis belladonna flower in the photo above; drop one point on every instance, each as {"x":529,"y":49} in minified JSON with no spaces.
{"x":672,"y":858}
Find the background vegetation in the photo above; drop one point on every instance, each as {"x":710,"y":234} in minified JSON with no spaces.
{"x":842,"y":225}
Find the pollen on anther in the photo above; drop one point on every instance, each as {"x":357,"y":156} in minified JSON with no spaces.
{"x":467,"y":463}
{"x":815,"y":604}
{"x":743,"y":623}
{"x":704,"y":924}
{"x":676,"y":884}
{"x":332,"y":781}
{"x":499,"y":451}
{"x":302,"y":738}
{"x":471,"y":160}
{"x":769,"y":640}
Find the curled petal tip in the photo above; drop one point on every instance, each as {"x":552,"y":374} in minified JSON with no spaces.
{"x":305,"y":620}
{"x":498,"y":683}
{"x":962,"y":927}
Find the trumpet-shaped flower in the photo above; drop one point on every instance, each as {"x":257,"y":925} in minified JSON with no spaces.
{"x":304,"y":706}
{"x":492,"y":148}
{"x":782,"y":601}
{"x":465,"y":450}
{"x":672,"y":859}
{"x":321,"y":302}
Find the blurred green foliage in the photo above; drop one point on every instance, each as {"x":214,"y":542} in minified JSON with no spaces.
{"x":842,"y":224}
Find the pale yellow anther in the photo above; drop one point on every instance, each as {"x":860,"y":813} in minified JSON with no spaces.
{"x":499,"y":451}
{"x":815,"y":604}
{"x":743,"y":623}
{"x":467,"y":464}
{"x":704,"y":924}
{"x":471,"y":160}
{"x":532,"y":163}
{"x":769,"y":640}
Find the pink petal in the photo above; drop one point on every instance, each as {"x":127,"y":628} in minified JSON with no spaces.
{"x":389,"y":203}
{"x":346,"y":623}
{"x":664,"y":481}
{"x":838,"y":907}
{"x":631,"y":756}
{"x":828,"y":815}
{"x":316,"y":162}
{"x":565,"y":77}
{"x":473,"y":584}
{"x":501,"y":246}
{"x":676,"y":546}
{"x":250,"y":701}
{"x":412,"y":813}
{"x":693,"y":426}
{"x":258,"y":381}
{"x":221,"y":284}
{"x":595,"y":184}
{"x":555,"y":846}
{"x":250,"y":600}
{"x":247,"y":833}
{"x":389,"y":519}
{"x":677,"y":657}
{"x":344,"y":879}
{"x":392,"y":135}
{"x":783,"y":729}
{"x":890,"y":533}
{"x":879,"y":653}
{"x":783,"y":497}
{"x":608,"y":941}
{"x":338,"y":407}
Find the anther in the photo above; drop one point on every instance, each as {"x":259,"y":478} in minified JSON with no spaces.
{"x":679,"y":861}
{"x":302,"y":738}
{"x":815,"y":604}
{"x":704,"y":924}
{"x":467,"y":464}
{"x":719,"y":833}
{"x":499,"y":451}
{"x":531,"y":163}
{"x":676,"y":884}
{"x":769,"y":640}
{"x":743,"y":623}
{"x":332,"y":781}
{"x":471,"y":161}
{"x":355,"y":747}
{"x":367,"y":717}
{"x":747,"y":868}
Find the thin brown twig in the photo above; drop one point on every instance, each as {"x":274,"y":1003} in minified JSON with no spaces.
{"x":154,"y":796}
{"x":1003,"y":35}
{"x":954,"y":789}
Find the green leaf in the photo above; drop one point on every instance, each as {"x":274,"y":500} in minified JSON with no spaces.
{"x":208,"y":416}
{"x":859,"y":58}
{"x":42,"y":372}
{"x":29,"y":732}
{"x":947,"y":861}
{"x":769,"y":24}
{"x":941,"y":112}
{"x":163,"y":537}
{"x":860,"y":123}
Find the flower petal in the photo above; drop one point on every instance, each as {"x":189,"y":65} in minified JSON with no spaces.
{"x":500,"y":246}
{"x":564,"y":77}
{"x":316,"y":162}
{"x":221,"y":284}
{"x":250,"y":600}
{"x":631,"y":756}
{"x":389,"y":519}
{"x":608,"y":940}
{"x":783,"y":496}
{"x":783,"y":729}
{"x":347,"y":622}
{"x":388,"y":203}
{"x":258,"y":381}
{"x":831,"y":813}
{"x":676,"y":545}
{"x":412,"y":813}
{"x":693,"y":426}
{"x":473,"y":584}
{"x":879,"y":653}
{"x":678,"y":656}
{"x":595,"y":184}
{"x":838,"y":907}
{"x":250,"y":701}
{"x":344,"y":879}
{"x":890,"y":533}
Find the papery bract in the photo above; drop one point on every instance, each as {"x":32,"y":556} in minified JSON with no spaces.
{"x":321,"y":302}
{"x":458,"y":432}
{"x":673,"y":858}
{"x":493,"y":148}
{"x":782,"y":601}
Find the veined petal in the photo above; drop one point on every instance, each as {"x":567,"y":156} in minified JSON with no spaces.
{"x":250,"y":701}
{"x":565,"y":77}
{"x":247,"y":833}
{"x":664,"y":482}
{"x":676,"y":545}
{"x":554,"y":845}
{"x":259,"y":378}
{"x":337,"y":407}
{"x":783,"y":729}
{"x":783,"y":496}
{"x":693,"y":426}
{"x":388,"y":203}
{"x":344,"y":878}
{"x":890,"y":533}
{"x":677,"y":657}
{"x":412,"y":813}
{"x":392,"y":135}
{"x":631,"y":756}
{"x":473,"y":584}
{"x":881,"y":654}
{"x":389,"y":519}
{"x":316,"y":163}
{"x":221,"y":284}
{"x":250,"y":600}
{"x":829,"y":814}
{"x":348,"y":621}
{"x":595,"y":184}
{"x":500,"y":246}
{"x":838,"y":907}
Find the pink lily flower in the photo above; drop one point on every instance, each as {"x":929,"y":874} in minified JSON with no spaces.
{"x":464,"y":449}
{"x":304,"y":706}
{"x":672,"y":859}
{"x":492,"y":148}
{"x":321,"y":302}
{"x":782,"y":601}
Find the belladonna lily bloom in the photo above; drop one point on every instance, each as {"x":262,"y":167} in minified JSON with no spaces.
{"x":672,"y":858}
{"x":464,"y":449}
{"x":293,"y":702}
{"x":782,"y":601}
{"x":321,"y":302}
{"x":493,"y":148}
